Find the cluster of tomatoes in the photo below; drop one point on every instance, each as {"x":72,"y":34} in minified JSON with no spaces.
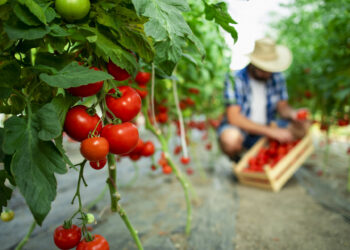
{"x":142,"y":148}
{"x":123,"y":103}
{"x":270,"y":155}
{"x":163,"y":162}
{"x":161,"y":112}
{"x":69,"y":236}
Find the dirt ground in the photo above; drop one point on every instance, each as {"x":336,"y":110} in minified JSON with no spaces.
{"x":312,"y":211}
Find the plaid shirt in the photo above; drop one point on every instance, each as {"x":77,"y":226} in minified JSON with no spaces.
{"x":240,"y":94}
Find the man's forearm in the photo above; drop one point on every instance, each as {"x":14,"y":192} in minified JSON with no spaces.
{"x":284,"y":110}
{"x":247,"y":125}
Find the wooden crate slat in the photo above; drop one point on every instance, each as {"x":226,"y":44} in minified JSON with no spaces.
{"x":292,"y":154}
{"x":292,"y":169}
{"x":256,"y":184}
{"x":252,"y":174}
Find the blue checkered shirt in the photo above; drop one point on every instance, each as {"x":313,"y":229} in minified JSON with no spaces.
{"x":240,"y":92}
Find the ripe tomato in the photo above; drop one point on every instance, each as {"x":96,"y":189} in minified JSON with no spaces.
{"x":142,"y":78}
{"x":189,"y":171}
{"x":148,"y":149}
{"x":162,"y":117}
{"x":95,"y":148}
{"x":7,"y":215}
{"x":98,"y":243}
{"x":193,"y":91}
{"x":208,"y":146}
{"x":162,"y":109}
{"x":302,"y":114}
{"x":67,"y":238}
{"x":86,"y":90}
{"x":163,"y":162}
{"x":189,"y":101}
{"x":138,"y":148}
{"x":177,"y":150}
{"x":134,"y":157}
{"x":153,"y":167}
{"x":98,"y":164}
{"x":72,"y":9}
{"x":167,"y":169}
{"x":125,"y":107}
{"x":118,"y":73}
{"x":185,"y":160}
{"x":343,"y":122}
{"x":79,"y":123}
{"x":143,"y":92}
{"x":122,"y":138}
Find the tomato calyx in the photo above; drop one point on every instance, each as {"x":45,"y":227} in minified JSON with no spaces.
{"x":117,"y":121}
{"x":116,"y":94}
{"x":91,"y":111}
{"x":67,"y":224}
{"x":88,"y":237}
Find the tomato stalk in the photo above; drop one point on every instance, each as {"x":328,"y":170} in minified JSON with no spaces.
{"x":26,"y":237}
{"x":115,"y":197}
{"x":184,"y":183}
{"x":152,"y":98}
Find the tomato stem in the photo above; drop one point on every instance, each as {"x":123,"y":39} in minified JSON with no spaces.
{"x":26,"y":237}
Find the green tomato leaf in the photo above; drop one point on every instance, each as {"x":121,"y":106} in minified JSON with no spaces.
{"x":47,"y":121}
{"x":109,"y":50}
{"x":10,"y":73}
{"x":57,"y":62}
{"x":33,"y":165}
{"x":218,"y":12}
{"x":59,"y":145}
{"x":5,"y":192}
{"x":57,"y":31}
{"x":61,"y":105}
{"x":129,"y":29}
{"x":35,"y":9}
{"x":21,"y":31}
{"x":74,"y":75}
{"x":25,"y":15}
{"x":168,"y":28}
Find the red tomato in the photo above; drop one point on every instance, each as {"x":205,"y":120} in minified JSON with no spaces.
{"x":125,"y":107}
{"x":134,"y":157}
{"x":167,"y":169}
{"x":67,"y":238}
{"x":153,"y":167}
{"x":118,"y":73}
{"x":343,"y":122}
{"x":302,"y":114}
{"x":163,"y":162}
{"x":79,"y":123}
{"x":122,"y":138}
{"x":138,"y":148}
{"x":208,"y":146}
{"x":162,"y":117}
{"x":185,"y":160}
{"x":87,"y":90}
{"x":98,"y":164}
{"x":189,"y":101}
{"x":308,"y":94}
{"x":142,"y":78}
{"x":193,"y":91}
{"x":189,"y":171}
{"x":177,"y":150}
{"x":98,"y":243}
{"x":148,"y":149}
{"x":94,"y":149}
{"x":182,"y":105}
{"x":143,"y":92}
{"x":162,"y":109}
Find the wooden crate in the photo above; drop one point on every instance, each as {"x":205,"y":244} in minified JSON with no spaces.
{"x":274,"y":178}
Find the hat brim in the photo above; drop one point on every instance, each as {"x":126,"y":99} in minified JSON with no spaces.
{"x":283,"y":61}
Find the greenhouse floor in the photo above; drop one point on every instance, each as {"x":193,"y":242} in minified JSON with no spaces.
{"x":312,"y":210}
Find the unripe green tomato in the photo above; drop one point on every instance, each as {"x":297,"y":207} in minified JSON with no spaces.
{"x":90,"y":218}
{"x":72,"y":10}
{"x":7,"y":215}
{"x":3,"y":2}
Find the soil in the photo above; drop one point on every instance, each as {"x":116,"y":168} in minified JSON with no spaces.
{"x":311,"y":211}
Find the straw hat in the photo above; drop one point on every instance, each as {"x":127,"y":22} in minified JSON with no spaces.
{"x":270,"y":57}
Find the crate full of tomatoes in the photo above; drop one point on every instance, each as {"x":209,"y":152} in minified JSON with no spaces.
{"x":269,"y":164}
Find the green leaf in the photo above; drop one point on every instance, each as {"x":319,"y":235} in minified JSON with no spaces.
{"x":74,"y":75}
{"x":129,"y":29}
{"x":109,"y":50}
{"x":22,"y":31}
{"x":59,"y":145}
{"x":35,"y":9}
{"x":56,"y":30}
{"x":5,"y":93}
{"x":25,"y":15}
{"x":219,"y":13}
{"x":10,"y":73}
{"x":47,"y":121}
{"x":33,"y":165}
{"x":58,"y":62}
{"x":61,"y":105}
{"x":168,"y":28}
{"x":5,"y":192}
{"x":2,"y":154}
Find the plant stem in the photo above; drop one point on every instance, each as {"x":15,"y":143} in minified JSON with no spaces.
{"x":184,"y":183}
{"x":115,"y":197}
{"x":26,"y":238}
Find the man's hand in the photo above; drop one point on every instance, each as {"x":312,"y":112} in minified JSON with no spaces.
{"x":300,"y":115}
{"x":280,"y":134}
